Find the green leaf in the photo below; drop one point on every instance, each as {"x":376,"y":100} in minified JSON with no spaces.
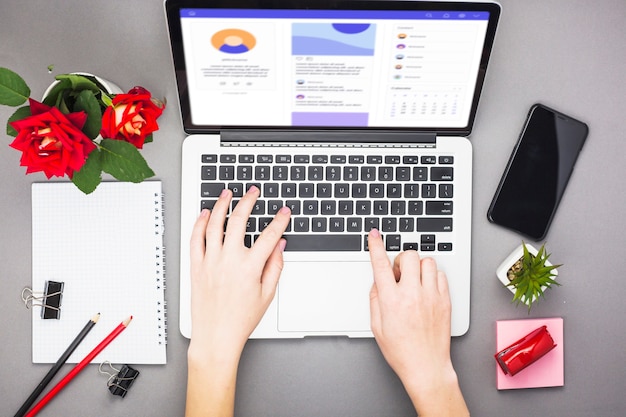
{"x":79,"y":82}
{"x":123,"y":161}
{"x":88,"y":103}
{"x":55,"y":95}
{"x":89,"y":176}
{"x":149,"y":138}
{"x":21,"y":113}
{"x":13,"y":89}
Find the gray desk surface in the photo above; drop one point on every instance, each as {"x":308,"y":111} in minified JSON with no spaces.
{"x":568,"y":54}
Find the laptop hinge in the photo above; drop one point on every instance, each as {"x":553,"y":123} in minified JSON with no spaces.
{"x":329,"y":136}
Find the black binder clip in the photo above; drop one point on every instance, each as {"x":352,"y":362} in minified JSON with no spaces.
{"x":50,"y":301}
{"x":120,"y":380}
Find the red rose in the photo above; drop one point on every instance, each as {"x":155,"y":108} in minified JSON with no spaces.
{"x":131,"y":117}
{"x":51,"y":141}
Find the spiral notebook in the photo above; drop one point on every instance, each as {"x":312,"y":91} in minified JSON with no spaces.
{"x":107,"y":249}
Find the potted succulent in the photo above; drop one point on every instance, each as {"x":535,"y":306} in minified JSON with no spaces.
{"x":528,"y":273}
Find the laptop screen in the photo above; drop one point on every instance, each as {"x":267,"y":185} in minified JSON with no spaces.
{"x":386,"y":65}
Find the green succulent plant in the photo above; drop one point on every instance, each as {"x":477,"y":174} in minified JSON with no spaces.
{"x":530,"y":276}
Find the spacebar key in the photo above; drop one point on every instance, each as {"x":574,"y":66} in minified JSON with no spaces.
{"x":326,"y":243}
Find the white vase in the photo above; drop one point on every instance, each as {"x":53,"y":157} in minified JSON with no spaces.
{"x":109,"y":86}
{"x":509,"y":261}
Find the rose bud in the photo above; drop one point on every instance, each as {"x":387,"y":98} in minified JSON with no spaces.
{"x":132,"y":117}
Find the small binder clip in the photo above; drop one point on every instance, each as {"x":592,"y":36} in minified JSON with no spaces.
{"x":525,"y":351}
{"x":120,"y":380}
{"x":50,"y":301}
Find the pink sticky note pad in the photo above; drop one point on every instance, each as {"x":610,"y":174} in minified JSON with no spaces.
{"x":547,"y":371}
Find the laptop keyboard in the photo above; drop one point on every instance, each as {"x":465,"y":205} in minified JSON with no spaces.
{"x":336,"y":199}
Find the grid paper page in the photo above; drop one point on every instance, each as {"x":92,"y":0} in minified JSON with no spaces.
{"x":107,"y":247}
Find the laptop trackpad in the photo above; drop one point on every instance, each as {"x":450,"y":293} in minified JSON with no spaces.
{"x":324,"y":297}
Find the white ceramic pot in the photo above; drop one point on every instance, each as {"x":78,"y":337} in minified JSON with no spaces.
{"x":509,"y":261}
{"x":110,"y":87}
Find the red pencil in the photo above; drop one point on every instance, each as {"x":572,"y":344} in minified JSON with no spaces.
{"x":79,"y":367}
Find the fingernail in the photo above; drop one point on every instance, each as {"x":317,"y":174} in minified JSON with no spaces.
{"x":252,"y":189}
{"x":374,"y":233}
{"x":282,"y":245}
{"x":285,"y":210}
{"x":224,"y":192}
{"x":204,"y":213}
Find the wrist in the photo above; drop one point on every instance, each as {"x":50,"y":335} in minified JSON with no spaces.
{"x":436,"y":393}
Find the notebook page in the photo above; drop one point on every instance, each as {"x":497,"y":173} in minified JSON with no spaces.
{"x":107,"y":248}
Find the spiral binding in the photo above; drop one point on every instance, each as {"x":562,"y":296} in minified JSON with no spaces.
{"x":160,"y":269}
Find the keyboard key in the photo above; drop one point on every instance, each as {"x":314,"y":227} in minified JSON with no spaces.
{"x":283,"y":159}
{"x":301,"y":159}
{"x":444,"y":247}
{"x":208,"y":173}
{"x":318,"y":224}
{"x":377,"y":190}
{"x":434,"y":225}
{"x":350,"y":173}
{"x":209,"y":159}
{"x":441,"y":174}
{"x":428,"y":160}
{"x":244,"y":172}
{"x":342,"y":191}
{"x":207,"y":204}
{"x":259,"y":207}
{"x":301,"y":224}
{"x":228,"y":159}
{"x":354,"y":224}
{"x":288,"y":190}
{"x":246,"y":159}
{"x":392,"y":159}
{"x":409,"y":246}
{"x":236,"y":188}
{"x":319,"y":159}
{"x":392,"y":243}
{"x":439,"y":207}
{"x":324,"y":190}
{"x":227,"y":172}
{"x":294,"y":206}
{"x":337,"y":159}
{"x":270,"y":189}
{"x":446,"y":191}
{"x":374,"y":159}
{"x":310,"y":207}
{"x":336,"y":224}
{"x":420,"y":174}
{"x":265,"y":159}
{"x":326,"y":242}
{"x":429,"y":191}
{"x":211,"y":189}
{"x":356,"y":159}
{"x":446,"y":160}
{"x":298,"y":173}
{"x":389,"y":224}
{"x":359,"y":191}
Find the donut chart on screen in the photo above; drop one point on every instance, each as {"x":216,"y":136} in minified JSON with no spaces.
{"x":233,"y":41}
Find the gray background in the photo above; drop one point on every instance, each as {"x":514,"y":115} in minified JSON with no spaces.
{"x":567,"y":54}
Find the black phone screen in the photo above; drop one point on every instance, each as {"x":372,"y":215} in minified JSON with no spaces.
{"x":537,"y":173}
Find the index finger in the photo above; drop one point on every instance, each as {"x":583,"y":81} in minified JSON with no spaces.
{"x":383,"y":274}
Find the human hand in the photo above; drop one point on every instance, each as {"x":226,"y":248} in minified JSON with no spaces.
{"x":232,"y":285}
{"x":410,"y":318}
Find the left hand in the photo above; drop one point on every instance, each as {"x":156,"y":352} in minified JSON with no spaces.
{"x":232,"y":285}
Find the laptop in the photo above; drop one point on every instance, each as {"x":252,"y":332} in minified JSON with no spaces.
{"x":355,"y":114}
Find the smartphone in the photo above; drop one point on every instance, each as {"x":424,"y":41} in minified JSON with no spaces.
{"x":537,"y":172}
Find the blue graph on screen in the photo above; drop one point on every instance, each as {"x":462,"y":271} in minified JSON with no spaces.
{"x":353,"y":39}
